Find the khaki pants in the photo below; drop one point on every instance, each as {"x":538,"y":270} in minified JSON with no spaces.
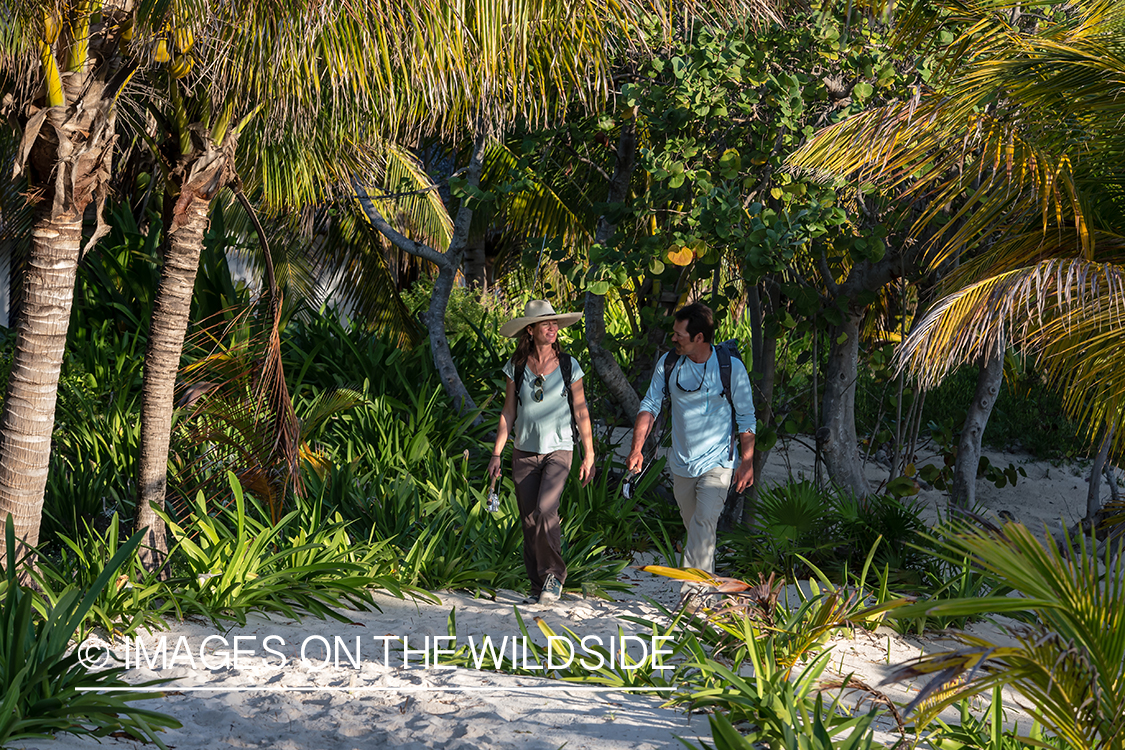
{"x":701,"y":501}
{"x":539,"y":479}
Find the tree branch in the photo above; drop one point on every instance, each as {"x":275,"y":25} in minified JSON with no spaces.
{"x":399,"y":240}
{"x":589,"y":163}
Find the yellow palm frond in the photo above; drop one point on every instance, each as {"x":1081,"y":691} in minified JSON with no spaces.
{"x":414,"y":203}
{"x":1018,"y":308}
{"x":1020,"y":125}
{"x":978,"y":172}
{"x":1069,"y":314}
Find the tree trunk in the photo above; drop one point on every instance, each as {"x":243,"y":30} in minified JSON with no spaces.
{"x":198,"y":177}
{"x":439,"y":341}
{"x":764,"y":371}
{"x":28,"y":416}
{"x":170,"y":314}
{"x":963,"y":494}
{"x":443,"y":287}
{"x":601,"y":358}
{"x":67,"y":152}
{"x":476,"y":266}
{"x":448,"y":264}
{"x":1094,"y":491}
{"x":837,"y":435}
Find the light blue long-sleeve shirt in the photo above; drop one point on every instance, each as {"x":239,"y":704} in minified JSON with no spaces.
{"x":701,"y":433}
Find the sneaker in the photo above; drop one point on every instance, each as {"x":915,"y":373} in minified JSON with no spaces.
{"x":532,"y":599}
{"x":692,"y":603}
{"x":552,"y":590}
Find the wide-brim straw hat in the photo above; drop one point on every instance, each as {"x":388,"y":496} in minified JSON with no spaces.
{"x":537,"y":311}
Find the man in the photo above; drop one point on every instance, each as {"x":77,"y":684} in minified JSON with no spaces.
{"x":702,"y":457}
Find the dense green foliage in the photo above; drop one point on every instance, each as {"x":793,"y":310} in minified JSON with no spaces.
{"x":388,"y":490}
{"x":48,"y":688}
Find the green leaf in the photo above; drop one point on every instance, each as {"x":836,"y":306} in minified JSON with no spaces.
{"x":730,"y":164}
{"x":600,"y":288}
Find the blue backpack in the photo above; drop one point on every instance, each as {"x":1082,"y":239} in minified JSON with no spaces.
{"x":724,"y":351}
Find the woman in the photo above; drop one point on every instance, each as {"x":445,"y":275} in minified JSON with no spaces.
{"x":545,"y":411}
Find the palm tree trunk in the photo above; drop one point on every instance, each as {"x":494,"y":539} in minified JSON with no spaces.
{"x":963,"y":494}
{"x":837,"y":433}
{"x":162,"y":362}
{"x":28,"y":415}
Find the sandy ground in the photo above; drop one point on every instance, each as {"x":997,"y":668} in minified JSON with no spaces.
{"x":1049,"y":496}
{"x":273,"y":698}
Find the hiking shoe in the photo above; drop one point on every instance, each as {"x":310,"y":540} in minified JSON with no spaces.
{"x":552,"y":590}
{"x":532,"y":599}
{"x":692,"y":603}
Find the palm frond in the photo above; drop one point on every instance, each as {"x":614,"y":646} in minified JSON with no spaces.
{"x":1069,"y":666}
{"x":537,"y":208}
{"x":1069,"y":314}
{"x":976,"y":171}
{"x":1021,"y":125}
{"x":351,"y":259}
{"x":1016,"y":308}
{"x":416,"y":204}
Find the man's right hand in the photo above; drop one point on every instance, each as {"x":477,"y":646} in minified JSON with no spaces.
{"x":634,"y":462}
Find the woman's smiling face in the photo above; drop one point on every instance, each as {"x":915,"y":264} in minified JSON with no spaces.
{"x":545,"y":333}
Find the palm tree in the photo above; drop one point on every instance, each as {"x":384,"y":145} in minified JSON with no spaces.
{"x":289,"y":81}
{"x":1014,"y":159}
{"x":63,"y":66}
{"x":1068,"y":662}
{"x":326,"y":83}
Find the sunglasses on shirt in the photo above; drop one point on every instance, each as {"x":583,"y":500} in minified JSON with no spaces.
{"x":537,"y":388}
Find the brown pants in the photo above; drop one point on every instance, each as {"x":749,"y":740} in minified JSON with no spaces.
{"x":539,"y":479}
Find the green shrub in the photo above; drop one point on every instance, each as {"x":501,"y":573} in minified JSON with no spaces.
{"x":48,"y":688}
{"x":130,"y":602}
{"x":232,"y":563}
{"x":988,"y":733}
{"x":798,"y":524}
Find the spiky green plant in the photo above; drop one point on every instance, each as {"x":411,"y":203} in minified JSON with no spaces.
{"x":48,"y":688}
{"x":1068,"y":663}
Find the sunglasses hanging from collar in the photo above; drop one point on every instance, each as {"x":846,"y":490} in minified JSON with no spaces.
{"x":702,"y":377}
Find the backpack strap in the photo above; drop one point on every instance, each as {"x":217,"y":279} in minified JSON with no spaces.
{"x":722,"y":351}
{"x":565,"y":365}
{"x":670,"y":361}
{"x":566,"y":369}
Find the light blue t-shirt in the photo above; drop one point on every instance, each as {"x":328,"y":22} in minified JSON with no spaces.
{"x":701,"y":434}
{"x":544,"y":426}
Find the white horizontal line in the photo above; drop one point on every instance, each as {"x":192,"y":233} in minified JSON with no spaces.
{"x":379,"y":689}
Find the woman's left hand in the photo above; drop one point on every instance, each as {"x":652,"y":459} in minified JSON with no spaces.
{"x":586,"y":473}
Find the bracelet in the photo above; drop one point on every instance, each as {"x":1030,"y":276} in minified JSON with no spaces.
{"x":497,"y":455}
